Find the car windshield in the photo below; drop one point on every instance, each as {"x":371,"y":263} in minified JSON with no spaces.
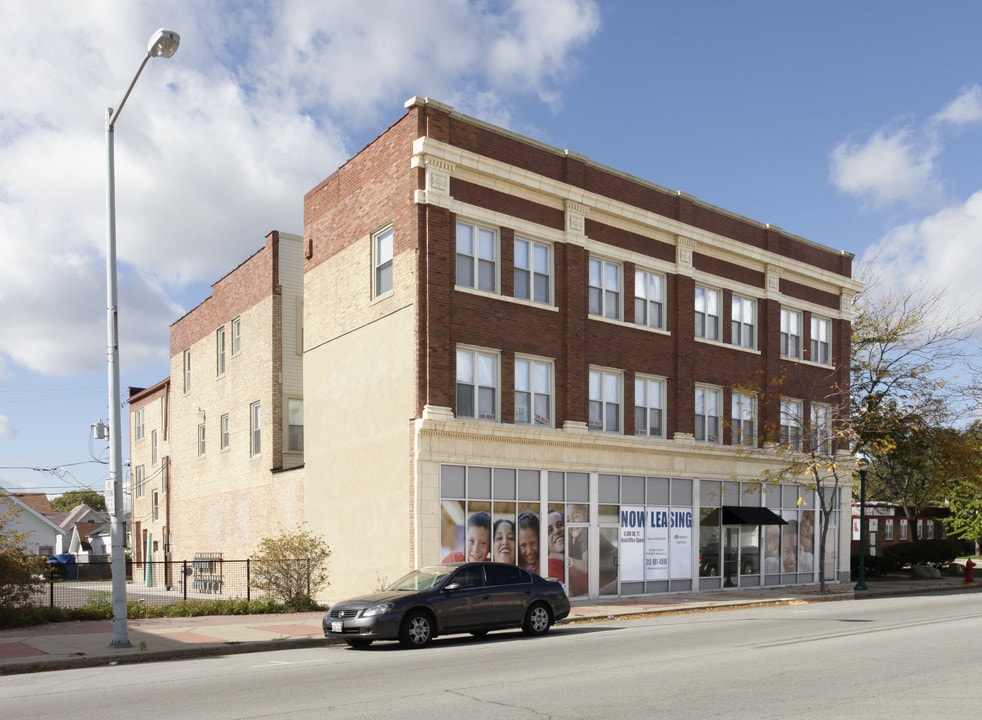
{"x":425,"y":578}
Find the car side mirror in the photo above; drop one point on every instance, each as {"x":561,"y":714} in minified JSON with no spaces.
{"x":452,"y":587}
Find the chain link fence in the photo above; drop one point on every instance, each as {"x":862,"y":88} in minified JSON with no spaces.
{"x":156,"y":583}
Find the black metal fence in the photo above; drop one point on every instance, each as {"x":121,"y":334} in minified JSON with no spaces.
{"x":157,"y":583}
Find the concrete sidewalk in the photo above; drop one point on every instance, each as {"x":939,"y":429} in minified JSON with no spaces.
{"x":59,"y":646}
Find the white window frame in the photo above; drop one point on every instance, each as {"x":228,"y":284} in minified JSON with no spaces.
{"x":743,"y":419}
{"x":708,"y":313}
{"x":138,"y":424}
{"x":202,"y":437}
{"x":606,"y":400}
{"x":481,"y":260}
{"x":605,"y":282}
{"x":709,"y":414}
{"x":820,"y":427}
{"x":888,"y":529}
{"x":649,"y":403}
{"x":743,"y":322}
{"x":534,"y":380}
{"x":236,"y":335}
{"x":140,"y":480}
{"x":255,"y":429}
{"x":821,"y":340}
{"x":153,"y":447}
{"x":294,"y":415}
{"x":220,"y":351}
{"x":223,"y":432}
{"x":155,"y":505}
{"x":478,"y":380}
{"x":791,"y":411}
{"x":929,"y":530}
{"x":649,"y":299}
{"x":383,"y":253}
{"x":904,"y":529}
{"x":790,"y":333}
{"x":186,"y":357}
{"x":533,"y":263}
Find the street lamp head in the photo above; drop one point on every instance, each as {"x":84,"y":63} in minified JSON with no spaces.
{"x":163,"y":43}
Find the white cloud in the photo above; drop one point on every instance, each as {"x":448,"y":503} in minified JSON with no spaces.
{"x":963,"y":110}
{"x":217,"y":145}
{"x":6,"y":428}
{"x":941,"y":251}
{"x":890,"y":167}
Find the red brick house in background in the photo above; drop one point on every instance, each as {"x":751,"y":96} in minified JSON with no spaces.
{"x":887,"y":524}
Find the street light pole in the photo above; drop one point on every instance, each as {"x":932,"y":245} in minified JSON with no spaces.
{"x":163,"y":43}
{"x":861,"y":584}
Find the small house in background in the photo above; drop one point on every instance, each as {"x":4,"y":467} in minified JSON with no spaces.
{"x":887,"y":524}
{"x":43,"y":533}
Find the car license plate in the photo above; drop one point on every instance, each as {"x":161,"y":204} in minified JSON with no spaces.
{"x":337,"y":626}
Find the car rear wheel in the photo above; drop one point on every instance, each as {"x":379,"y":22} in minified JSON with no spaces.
{"x":416,"y":630}
{"x":538,"y":620}
{"x":358,"y":643}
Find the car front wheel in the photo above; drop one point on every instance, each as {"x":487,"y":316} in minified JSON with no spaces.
{"x":538,"y":620}
{"x":416,"y":630}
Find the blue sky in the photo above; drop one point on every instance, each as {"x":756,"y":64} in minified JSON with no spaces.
{"x":857,"y":125}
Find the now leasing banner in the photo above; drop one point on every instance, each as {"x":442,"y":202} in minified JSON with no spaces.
{"x":655,"y":543}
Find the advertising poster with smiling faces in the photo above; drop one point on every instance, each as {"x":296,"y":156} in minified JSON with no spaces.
{"x":509,"y":533}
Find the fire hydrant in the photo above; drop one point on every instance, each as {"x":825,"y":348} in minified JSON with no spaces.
{"x":968,"y":570}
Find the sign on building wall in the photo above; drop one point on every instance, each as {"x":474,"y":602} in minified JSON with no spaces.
{"x":655,"y":544}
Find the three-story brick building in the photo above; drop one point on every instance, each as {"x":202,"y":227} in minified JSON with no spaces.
{"x":511,"y":351}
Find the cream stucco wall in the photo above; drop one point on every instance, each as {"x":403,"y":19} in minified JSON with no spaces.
{"x":358,"y":429}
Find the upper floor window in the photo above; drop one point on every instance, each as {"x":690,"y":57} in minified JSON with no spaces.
{"x":904,"y":532}
{"x":888,"y":529}
{"x":533,"y":392}
{"x":255,"y":429}
{"x":382,"y":253}
{"x":791,"y":423}
{"x":709,"y":419}
{"x":220,"y":351}
{"x":708,"y":304}
{"x":790,"y":333}
{"x":155,"y":506}
{"x":821,"y":428}
{"x":139,"y":480}
{"x":533,"y":271}
{"x":187,"y":370}
{"x":153,"y":447}
{"x":649,"y":299}
{"x":295,"y":422}
{"x":223,"y":434}
{"x":743,"y":417}
{"x":477,"y":257}
{"x":821,"y":340}
{"x":605,"y":289}
{"x":605,"y":401}
{"x":649,"y":407}
{"x":477,"y":384}
{"x":743,"y":322}
{"x":201,"y":440}
{"x":236,"y":335}
{"x":138,"y":426}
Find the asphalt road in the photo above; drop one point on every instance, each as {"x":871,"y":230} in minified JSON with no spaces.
{"x":913,"y":656}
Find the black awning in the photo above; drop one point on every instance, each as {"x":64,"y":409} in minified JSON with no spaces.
{"x":735,"y":515}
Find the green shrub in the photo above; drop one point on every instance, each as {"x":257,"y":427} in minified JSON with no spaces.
{"x":937,"y":553}
{"x":292,"y":567}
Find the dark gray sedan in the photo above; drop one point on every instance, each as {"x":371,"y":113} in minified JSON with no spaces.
{"x":454,"y":598}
